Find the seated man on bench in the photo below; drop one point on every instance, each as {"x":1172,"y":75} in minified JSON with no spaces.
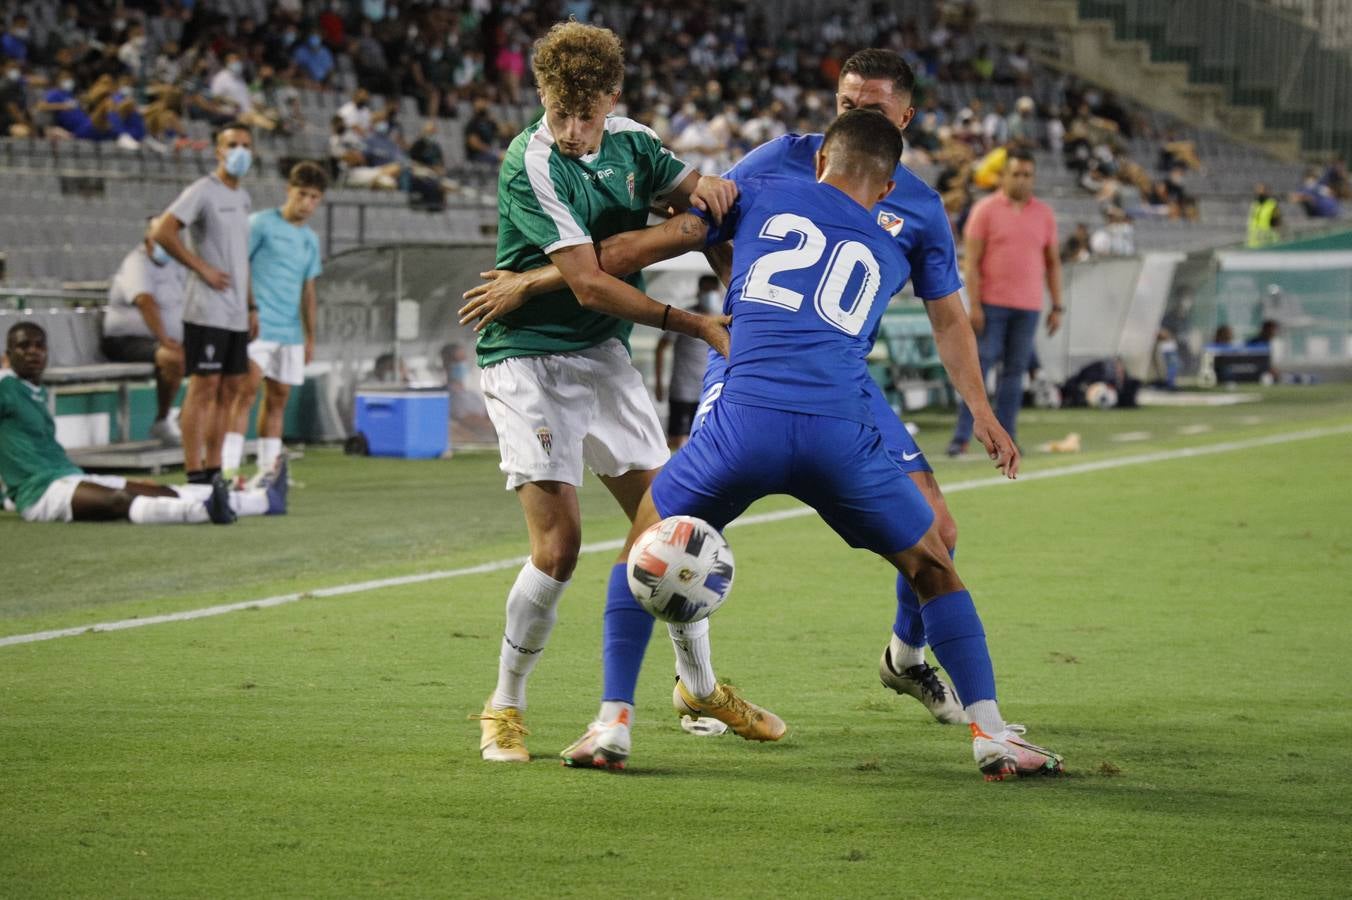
{"x":144,"y":323}
{"x":45,"y":486}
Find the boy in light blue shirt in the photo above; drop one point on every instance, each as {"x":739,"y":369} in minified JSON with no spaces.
{"x":283,"y":265}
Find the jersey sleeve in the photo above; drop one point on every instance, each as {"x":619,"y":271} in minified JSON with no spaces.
{"x":934,"y":258}
{"x":668,"y":170}
{"x":315,"y":268}
{"x":188,"y":205}
{"x":256,"y":233}
{"x":747,"y":189}
{"x":765,"y":159}
{"x":538,"y":205}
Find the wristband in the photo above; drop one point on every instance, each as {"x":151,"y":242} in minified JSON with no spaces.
{"x":666,"y":312}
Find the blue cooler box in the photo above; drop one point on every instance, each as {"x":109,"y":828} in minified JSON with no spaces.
{"x":411,"y":424}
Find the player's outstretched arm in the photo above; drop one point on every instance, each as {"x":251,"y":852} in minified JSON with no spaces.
{"x":602,"y":292}
{"x":956,"y":342}
{"x":623,"y":254}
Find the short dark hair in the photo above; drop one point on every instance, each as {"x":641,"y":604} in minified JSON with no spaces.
{"x":871,"y":145}
{"x":708,"y":279}
{"x":24,"y":324}
{"x":235,"y":125}
{"x":877,"y":63}
{"x":1023,"y":154}
{"x":306,"y":174}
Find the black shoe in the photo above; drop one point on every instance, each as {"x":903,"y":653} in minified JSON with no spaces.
{"x":218,"y":505}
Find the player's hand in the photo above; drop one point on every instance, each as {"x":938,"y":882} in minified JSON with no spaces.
{"x":1053,"y":322}
{"x":500,"y":293}
{"x":714,"y":196}
{"x":253,"y":324}
{"x":978,"y":317}
{"x":215,"y":278}
{"x":309,"y":350}
{"x":717,"y":335}
{"x":170,"y":344}
{"x":999,"y":445}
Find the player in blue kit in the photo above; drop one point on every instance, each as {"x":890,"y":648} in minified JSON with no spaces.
{"x":812,"y":273}
{"x":913,"y":214}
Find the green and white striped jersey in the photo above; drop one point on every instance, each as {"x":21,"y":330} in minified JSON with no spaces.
{"x":546,"y":202}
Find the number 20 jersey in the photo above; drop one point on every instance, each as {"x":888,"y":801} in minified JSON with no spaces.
{"x":812,"y":274}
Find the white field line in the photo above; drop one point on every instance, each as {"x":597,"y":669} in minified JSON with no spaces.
{"x":612,"y":545}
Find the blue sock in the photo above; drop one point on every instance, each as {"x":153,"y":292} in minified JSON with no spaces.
{"x":624,"y":638}
{"x":959,"y":643}
{"x":910,"y":626}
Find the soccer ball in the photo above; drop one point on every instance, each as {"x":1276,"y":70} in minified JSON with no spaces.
{"x":1101,"y":395}
{"x":680,"y":569}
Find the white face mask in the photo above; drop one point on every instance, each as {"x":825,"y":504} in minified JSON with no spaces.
{"x":67,"y":84}
{"x":14,"y":74}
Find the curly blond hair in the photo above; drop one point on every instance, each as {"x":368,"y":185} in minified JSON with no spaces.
{"x":575,"y":64}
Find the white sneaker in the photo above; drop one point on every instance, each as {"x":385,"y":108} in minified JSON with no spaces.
{"x":167,"y":432}
{"x":922,"y":682}
{"x":604,"y":746}
{"x":1007,"y":753}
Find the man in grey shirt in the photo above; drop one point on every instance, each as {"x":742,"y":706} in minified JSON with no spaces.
{"x":689,"y":358}
{"x":143,"y":322}
{"x":219,"y":315}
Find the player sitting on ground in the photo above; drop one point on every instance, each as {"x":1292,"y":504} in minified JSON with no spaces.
{"x":283,"y":265}
{"x":812,"y":274}
{"x":46,"y":486}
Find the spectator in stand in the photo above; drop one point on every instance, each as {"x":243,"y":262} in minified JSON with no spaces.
{"x":314,"y":60}
{"x":1335,"y":176}
{"x":1011,"y":252}
{"x":67,"y":118}
{"x":1116,"y":237}
{"x":1317,"y":198}
{"x":1076,"y":248}
{"x":230,"y":90}
{"x":356,"y":113}
{"x":14,"y":118}
{"x":344,"y":148}
{"x":426,"y":150}
{"x":1021,"y":125}
{"x":1265,"y":219}
{"x":483,"y":135}
{"x":1183,"y":204}
{"x":1175,"y":153}
{"x":15,"y":43}
{"x":369,"y":60}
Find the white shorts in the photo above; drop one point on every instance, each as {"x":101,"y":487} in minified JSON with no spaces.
{"x":283,"y":363}
{"x":54,"y":504}
{"x":553,"y":414}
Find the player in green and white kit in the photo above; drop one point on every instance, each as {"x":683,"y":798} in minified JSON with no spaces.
{"x":557,"y":379}
{"x":45,"y":486}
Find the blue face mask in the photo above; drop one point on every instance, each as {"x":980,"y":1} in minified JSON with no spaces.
{"x":459,"y":371}
{"x":314,"y":41}
{"x":159,"y":255}
{"x":237,"y":161}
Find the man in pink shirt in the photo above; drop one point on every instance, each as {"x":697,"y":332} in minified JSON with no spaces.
{"x":1011,"y":251}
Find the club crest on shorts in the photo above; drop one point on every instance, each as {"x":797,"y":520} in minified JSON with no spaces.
{"x":210,"y":351}
{"x":629,"y":183}
{"x":546,"y":439}
{"x":890,"y":223}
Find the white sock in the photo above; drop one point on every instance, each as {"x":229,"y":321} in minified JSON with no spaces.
{"x":167,"y":511}
{"x":269,"y":448}
{"x":531,"y":612}
{"x":232,"y":451}
{"x":903,"y":655}
{"x":691,"y":642}
{"x":986,"y":715}
{"x":614,"y":709}
{"x":249,"y":503}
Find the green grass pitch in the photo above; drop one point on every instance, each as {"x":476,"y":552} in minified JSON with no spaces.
{"x":1178,"y":629}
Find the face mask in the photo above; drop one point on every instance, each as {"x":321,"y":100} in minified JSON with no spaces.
{"x":237,"y":67}
{"x":459,"y":371}
{"x":382,"y":127}
{"x":708,"y":300}
{"x":289,"y":38}
{"x":14,"y":74}
{"x":159,"y":255}
{"x":20,"y":33}
{"x":237,"y":161}
{"x":314,"y":41}
{"x":434,"y":54}
{"x":412,"y":32}
{"x":67,"y":85}
{"x":119,"y":24}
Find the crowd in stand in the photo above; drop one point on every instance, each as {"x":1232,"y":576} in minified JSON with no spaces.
{"x":714,"y":79}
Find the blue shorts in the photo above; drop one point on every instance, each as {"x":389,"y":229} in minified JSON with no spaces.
{"x":838,"y":467}
{"x":897,"y":441}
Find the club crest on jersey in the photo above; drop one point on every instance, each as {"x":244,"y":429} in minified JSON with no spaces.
{"x":890,"y":223}
{"x":546,"y":439}
{"x":629,"y":183}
